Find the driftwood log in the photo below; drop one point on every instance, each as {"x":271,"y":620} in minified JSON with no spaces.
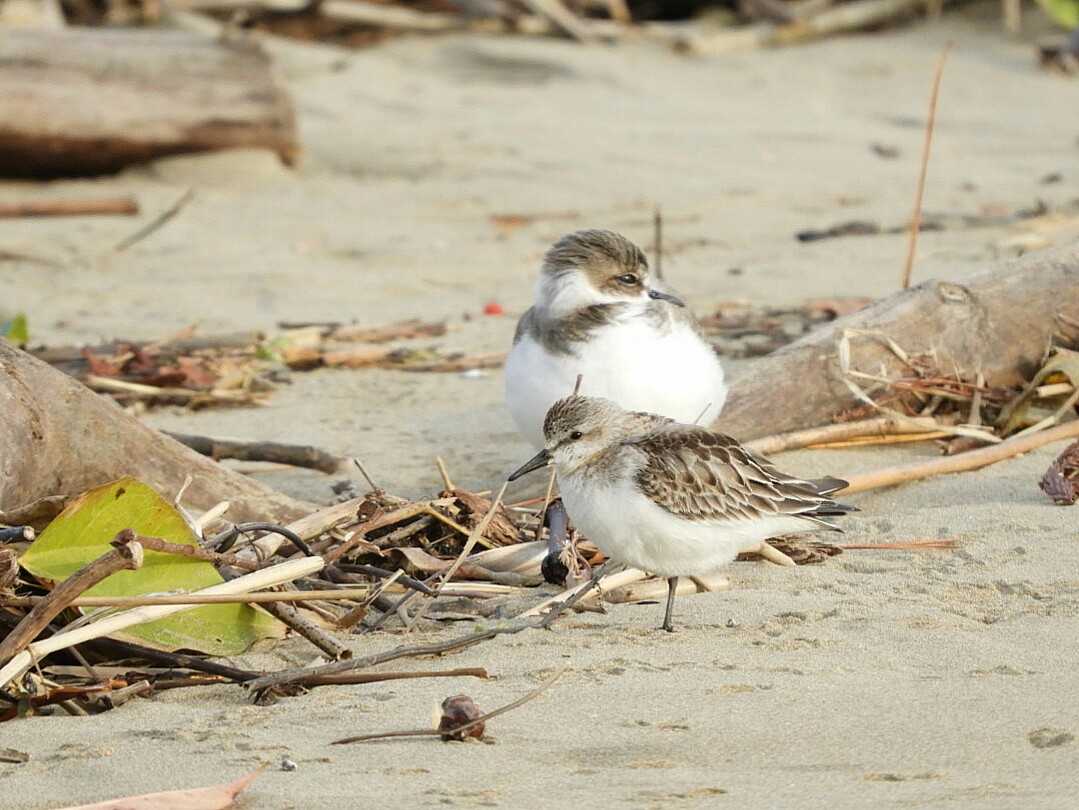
{"x":89,"y":101}
{"x":57,"y":437}
{"x":999,"y":322}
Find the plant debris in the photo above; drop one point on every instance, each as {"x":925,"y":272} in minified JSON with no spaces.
{"x":739,"y":329}
{"x":1061,"y":480}
{"x":244,"y":368}
{"x":989,"y":217}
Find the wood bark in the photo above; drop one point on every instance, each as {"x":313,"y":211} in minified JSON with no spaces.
{"x":57,"y":437}
{"x":89,"y":101}
{"x":999,"y":321}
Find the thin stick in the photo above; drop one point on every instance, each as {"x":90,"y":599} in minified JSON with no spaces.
{"x":261,"y":597}
{"x":69,"y":208}
{"x":546,"y":503}
{"x":377,"y":677}
{"x":366,"y":477}
{"x":657,"y":230}
{"x":267,"y":577}
{"x":606,"y":583}
{"x":470,"y":544}
{"x":309,"y":630}
{"x":294,"y":455}
{"x":971,"y":460}
{"x":874,"y":441}
{"x":195,"y":552}
{"x":879,"y":426}
{"x":303,"y":675}
{"x":126,"y":555}
{"x":447,"y":482}
{"x":434,"y":732}
{"x":577,"y":384}
{"x":903,"y":545}
{"x":916,"y":217}
{"x":156,"y":222}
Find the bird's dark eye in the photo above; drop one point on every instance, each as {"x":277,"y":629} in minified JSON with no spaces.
{"x":629,"y":279}
{"x":575,"y":435}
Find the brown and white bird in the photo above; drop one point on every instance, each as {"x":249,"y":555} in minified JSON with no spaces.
{"x":600,"y":313}
{"x":671,"y":498}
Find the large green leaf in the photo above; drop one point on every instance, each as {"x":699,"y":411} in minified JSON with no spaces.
{"x":81,"y":533}
{"x":17,"y":330}
{"x":1064,"y":13}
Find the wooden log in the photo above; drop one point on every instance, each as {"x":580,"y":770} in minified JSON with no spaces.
{"x":57,"y":437}
{"x":88,"y":101}
{"x":999,"y":321}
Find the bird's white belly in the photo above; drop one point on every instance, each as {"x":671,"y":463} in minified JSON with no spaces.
{"x":673,"y":374}
{"x":630,"y":528}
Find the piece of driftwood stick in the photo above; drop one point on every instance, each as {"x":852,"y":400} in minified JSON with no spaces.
{"x":346,"y":678}
{"x":300,"y":675}
{"x":998,"y":321}
{"x":971,"y":460}
{"x":125,"y":555}
{"x":305,"y":627}
{"x":439,"y":732}
{"x":51,"y":445}
{"x":294,"y":455}
{"x":880,"y":426}
{"x":89,"y":100}
{"x":125,"y":205}
{"x":266,"y":578}
{"x":256,"y":598}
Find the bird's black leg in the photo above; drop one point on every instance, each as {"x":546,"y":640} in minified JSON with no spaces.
{"x":672,"y":586}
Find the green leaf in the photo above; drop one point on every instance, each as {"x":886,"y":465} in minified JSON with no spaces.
{"x":1064,"y":13}
{"x":17,"y":330}
{"x":82,"y":532}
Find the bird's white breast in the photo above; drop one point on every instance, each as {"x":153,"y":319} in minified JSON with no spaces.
{"x":672,"y":372}
{"x":630,"y":528}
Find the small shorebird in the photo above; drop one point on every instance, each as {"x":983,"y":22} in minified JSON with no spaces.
{"x":600,"y":313}
{"x":670,"y":498}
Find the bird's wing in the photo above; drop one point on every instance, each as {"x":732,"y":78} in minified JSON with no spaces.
{"x":709,"y":477}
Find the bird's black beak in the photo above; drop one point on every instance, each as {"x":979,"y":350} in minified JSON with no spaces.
{"x":658,"y":295}
{"x":538,"y":461}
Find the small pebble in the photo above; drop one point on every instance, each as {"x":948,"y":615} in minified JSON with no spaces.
{"x":287,"y":764}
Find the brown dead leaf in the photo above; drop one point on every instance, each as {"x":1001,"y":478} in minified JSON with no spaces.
{"x":102,"y":366}
{"x":1061,"y":480}
{"x":218,"y":797}
{"x":405,"y":330}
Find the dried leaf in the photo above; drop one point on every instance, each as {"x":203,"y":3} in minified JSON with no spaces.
{"x":1016,"y":414}
{"x":218,"y":797}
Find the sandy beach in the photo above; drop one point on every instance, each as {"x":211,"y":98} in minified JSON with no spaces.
{"x":876,"y":679}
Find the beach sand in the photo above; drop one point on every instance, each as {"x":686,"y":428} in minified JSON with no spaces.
{"x":876,"y":679}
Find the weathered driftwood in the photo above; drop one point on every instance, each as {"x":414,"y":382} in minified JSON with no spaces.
{"x":57,"y":437}
{"x":999,"y":322}
{"x":87,"y":101}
